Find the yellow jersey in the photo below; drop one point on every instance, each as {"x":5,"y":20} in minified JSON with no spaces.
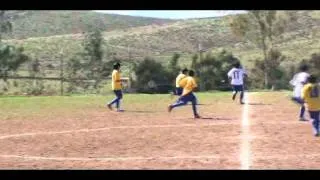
{"x":179,"y":78}
{"x":188,"y":84}
{"x":311,"y":96}
{"x":116,"y":83}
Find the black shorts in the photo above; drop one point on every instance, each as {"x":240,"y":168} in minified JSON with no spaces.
{"x":237,"y":88}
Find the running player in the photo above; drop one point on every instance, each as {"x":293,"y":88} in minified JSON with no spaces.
{"x":236,"y":75}
{"x":116,"y":87}
{"x":189,"y":85}
{"x":298,"y":81}
{"x":311,"y":96}
{"x":182,"y":75}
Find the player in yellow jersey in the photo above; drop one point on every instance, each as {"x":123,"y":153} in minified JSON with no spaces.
{"x":116,"y":87}
{"x":189,"y":85}
{"x":182,"y":75}
{"x":311,"y":96}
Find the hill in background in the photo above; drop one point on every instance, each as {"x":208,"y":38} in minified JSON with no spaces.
{"x":48,"y":23}
{"x":47,"y":32}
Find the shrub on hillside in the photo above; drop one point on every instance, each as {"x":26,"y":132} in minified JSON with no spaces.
{"x":212,"y":70}
{"x":151,"y":77}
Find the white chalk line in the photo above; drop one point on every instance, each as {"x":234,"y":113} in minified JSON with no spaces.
{"x":109,"y":158}
{"x":140,"y":158}
{"x":107,"y":128}
{"x":245,"y":137}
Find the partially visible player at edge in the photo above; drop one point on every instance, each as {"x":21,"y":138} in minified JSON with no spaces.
{"x":116,"y":87}
{"x":182,"y":75}
{"x":311,"y":96}
{"x":189,"y":85}
{"x":298,"y":81}
{"x":236,"y":75}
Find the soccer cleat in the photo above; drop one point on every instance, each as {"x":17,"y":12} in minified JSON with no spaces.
{"x":120,"y":110}
{"x":316,"y":135}
{"x":109,"y":106}
{"x":233,"y":97}
{"x":170,"y":108}
{"x":303,"y":119}
{"x":197,"y":116}
{"x":242,"y":102}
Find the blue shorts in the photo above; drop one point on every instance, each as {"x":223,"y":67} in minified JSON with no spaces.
{"x":298,"y":100}
{"x":118,"y":93}
{"x":188,"y":98}
{"x":237,"y":88}
{"x":178,"y":91}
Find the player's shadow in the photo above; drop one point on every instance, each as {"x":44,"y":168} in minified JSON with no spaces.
{"x":143,"y":111}
{"x":216,"y":118}
{"x":258,"y":104}
{"x":198,"y":104}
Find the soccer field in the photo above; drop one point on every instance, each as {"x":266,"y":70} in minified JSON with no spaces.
{"x":78,"y":132}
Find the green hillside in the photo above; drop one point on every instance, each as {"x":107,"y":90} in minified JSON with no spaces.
{"x":148,"y":37}
{"x":47,"y":23}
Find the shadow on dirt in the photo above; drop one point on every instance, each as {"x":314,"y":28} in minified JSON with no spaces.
{"x":258,"y":104}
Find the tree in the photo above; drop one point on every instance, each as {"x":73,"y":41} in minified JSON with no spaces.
{"x":74,"y":71}
{"x":151,"y":77}
{"x":5,"y":24}
{"x":261,"y":28}
{"x":213,"y":70}
{"x":314,"y":63}
{"x":35,"y":86}
{"x":278,"y":76}
{"x":10,"y":60}
{"x":194,"y":61}
{"x":93,"y":54}
{"x":173,"y":68}
{"x":10,"y":57}
{"x":89,"y":64}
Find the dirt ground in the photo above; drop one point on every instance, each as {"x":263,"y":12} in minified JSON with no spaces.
{"x":151,"y":138}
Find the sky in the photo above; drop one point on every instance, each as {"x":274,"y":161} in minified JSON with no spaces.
{"x":181,"y":14}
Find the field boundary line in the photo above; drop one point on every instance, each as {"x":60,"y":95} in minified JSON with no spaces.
{"x":141,"y":158}
{"x":245,"y":136}
{"x":110,"y":158}
{"x":106,"y":128}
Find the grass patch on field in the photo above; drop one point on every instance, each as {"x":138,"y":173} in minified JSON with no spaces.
{"x":51,"y":107}
{"x":17,"y":106}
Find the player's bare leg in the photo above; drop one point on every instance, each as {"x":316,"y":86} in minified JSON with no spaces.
{"x":241,"y":97}
{"x":234,"y":95}
{"x":170,"y":108}
{"x":194,"y":107}
{"x":109,"y":106}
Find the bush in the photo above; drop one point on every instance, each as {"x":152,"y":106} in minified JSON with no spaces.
{"x":33,"y":87}
{"x":314,"y":63}
{"x":151,"y":77}
{"x":212,"y":70}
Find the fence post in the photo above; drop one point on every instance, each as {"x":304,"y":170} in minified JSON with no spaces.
{"x":200,"y":50}
{"x":61,"y":72}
